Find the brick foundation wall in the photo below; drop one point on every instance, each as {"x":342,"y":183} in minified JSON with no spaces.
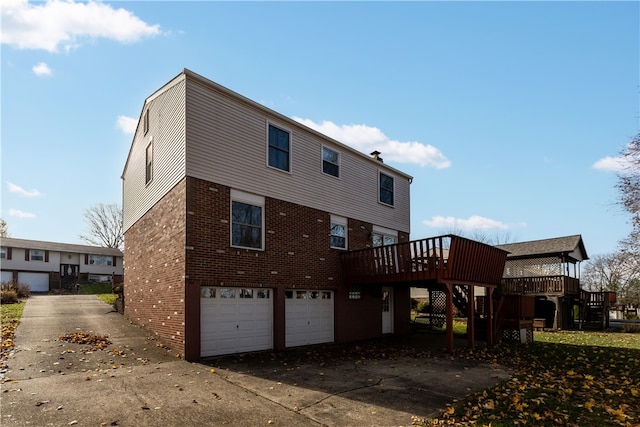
{"x":154,"y":289}
{"x":183,"y":243}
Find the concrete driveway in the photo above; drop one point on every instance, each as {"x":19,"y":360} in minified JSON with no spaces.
{"x":136,"y":381}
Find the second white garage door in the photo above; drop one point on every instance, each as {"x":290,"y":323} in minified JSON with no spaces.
{"x":38,"y":282}
{"x":308,"y":317}
{"x":235,"y":320}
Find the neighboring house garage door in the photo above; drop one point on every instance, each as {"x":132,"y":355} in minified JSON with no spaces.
{"x":308,"y":317}
{"x":235,"y":320}
{"x":7,"y":277}
{"x":38,"y":282}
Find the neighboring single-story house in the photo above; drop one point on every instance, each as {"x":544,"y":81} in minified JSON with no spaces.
{"x":46,"y":266}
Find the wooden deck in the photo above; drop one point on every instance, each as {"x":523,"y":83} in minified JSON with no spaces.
{"x":444,"y":259}
{"x":542,"y":285}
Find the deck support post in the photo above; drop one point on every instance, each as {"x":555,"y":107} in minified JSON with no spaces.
{"x":449,"y":294}
{"x":490,"y":333}
{"x":471,"y":309}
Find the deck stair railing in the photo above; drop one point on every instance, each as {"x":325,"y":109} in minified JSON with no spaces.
{"x":595,"y":309}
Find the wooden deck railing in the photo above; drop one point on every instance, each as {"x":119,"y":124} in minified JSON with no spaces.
{"x":543,"y":285}
{"x":444,"y":258}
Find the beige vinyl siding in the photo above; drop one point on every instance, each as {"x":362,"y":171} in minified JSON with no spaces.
{"x":227,"y":145}
{"x":167,"y":132}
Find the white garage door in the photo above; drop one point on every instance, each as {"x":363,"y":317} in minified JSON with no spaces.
{"x":7,"y":277}
{"x":308,"y":317}
{"x":235,"y":320}
{"x":38,"y":282}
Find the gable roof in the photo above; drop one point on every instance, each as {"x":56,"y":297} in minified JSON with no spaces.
{"x":568,"y":246}
{"x":59,"y":247}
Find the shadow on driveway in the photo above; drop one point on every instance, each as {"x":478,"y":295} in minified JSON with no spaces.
{"x":136,"y":381}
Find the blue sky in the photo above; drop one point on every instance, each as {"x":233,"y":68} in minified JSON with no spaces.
{"x":509,"y":115}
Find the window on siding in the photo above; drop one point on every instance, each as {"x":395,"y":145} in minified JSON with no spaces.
{"x":279,"y":149}
{"x":3,"y":253}
{"x":247,"y":221}
{"x":338,"y":232}
{"x":386,"y":189}
{"x":148,"y":175}
{"x":36,"y":255}
{"x":100,"y":260}
{"x":330,"y":162}
{"x":145,"y":122}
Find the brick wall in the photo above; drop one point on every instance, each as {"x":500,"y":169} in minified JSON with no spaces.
{"x":154,"y":289}
{"x":183,"y":243}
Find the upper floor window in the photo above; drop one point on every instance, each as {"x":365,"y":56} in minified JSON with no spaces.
{"x":145,"y":122}
{"x":330,"y":162}
{"x":36,"y":255}
{"x":3,"y":253}
{"x":279,"y":149}
{"x":386,"y":189}
{"x":247,"y":220}
{"x":148,"y":174}
{"x":338,"y":232}
{"x":100,"y":260}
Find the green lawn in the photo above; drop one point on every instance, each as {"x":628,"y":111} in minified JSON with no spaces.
{"x":10,"y":315}
{"x":102,"y":290}
{"x":563,"y":378}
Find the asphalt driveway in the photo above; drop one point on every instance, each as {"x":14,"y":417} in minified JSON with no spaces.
{"x":135,"y":381}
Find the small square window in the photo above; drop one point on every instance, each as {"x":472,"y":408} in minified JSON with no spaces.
{"x":279,"y":149}
{"x":355,"y":292}
{"x":330,"y":162}
{"x":263,"y":293}
{"x":301,"y":294}
{"x":207,"y":292}
{"x":386,"y":188}
{"x":227,"y":293}
{"x":314,"y":295}
{"x":246,"y":293}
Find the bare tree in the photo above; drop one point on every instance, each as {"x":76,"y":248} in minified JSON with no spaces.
{"x":614,"y":272}
{"x":4,"y":228}
{"x":105,"y":226}
{"x":629,"y":191}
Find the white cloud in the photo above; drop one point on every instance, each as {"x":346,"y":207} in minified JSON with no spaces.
{"x":474,"y":222}
{"x":367,"y":139}
{"x":612,"y":164}
{"x":42,"y":69}
{"x":47,"y":26}
{"x":13,"y":188}
{"x":21,"y":214}
{"x":127,"y":124}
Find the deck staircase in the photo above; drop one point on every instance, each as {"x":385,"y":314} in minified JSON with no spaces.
{"x":594,"y":312}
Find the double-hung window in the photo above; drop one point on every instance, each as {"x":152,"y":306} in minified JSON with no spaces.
{"x":338,"y":232}
{"x":247,"y":220}
{"x":330,"y":162}
{"x":386,"y":189}
{"x":279,"y":151}
{"x":36,"y":255}
{"x":3,"y":253}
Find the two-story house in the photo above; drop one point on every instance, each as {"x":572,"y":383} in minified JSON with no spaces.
{"x":47,"y":266}
{"x":235,"y":218}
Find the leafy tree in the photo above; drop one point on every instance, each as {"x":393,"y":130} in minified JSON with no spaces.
{"x":105,"y":226}
{"x":629,"y":191}
{"x":4,"y":229}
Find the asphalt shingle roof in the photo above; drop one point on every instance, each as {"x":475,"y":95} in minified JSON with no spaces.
{"x":555,"y":246}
